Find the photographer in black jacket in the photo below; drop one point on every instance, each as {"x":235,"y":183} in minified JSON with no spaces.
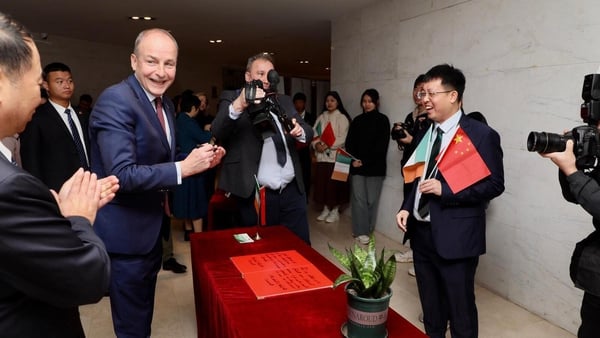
{"x":261,"y":142}
{"x":584,"y":189}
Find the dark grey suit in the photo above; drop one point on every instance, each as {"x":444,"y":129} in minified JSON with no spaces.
{"x":50,"y":264}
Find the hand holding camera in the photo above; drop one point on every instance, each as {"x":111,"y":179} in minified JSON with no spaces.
{"x":585,"y":139}
{"x":254,"y":92}
{"x":400,"y":133}
{"x":263,"y":105}
{"x":565,"y":160}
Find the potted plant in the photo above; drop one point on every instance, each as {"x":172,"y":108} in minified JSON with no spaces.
{"x":368,"y":289}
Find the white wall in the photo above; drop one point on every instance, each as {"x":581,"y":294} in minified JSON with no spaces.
{"x":524,"y":62}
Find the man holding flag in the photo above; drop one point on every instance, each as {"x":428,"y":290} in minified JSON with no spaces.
{"x":458,"y":162}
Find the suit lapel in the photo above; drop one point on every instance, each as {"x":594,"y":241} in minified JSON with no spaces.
{"x":53,"y":115}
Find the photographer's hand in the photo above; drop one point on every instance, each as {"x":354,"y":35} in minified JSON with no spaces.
{"x":401,"y":219}
{"x":239,"y":104}
{"x":297,"y":131}
{"x":565,"y":160}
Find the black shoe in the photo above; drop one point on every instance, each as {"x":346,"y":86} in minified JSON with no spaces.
{"x":186,"y":235}
{"x":173,"y":265}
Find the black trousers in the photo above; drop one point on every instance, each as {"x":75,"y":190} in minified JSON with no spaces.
{"x":446,"y":287}
{"x":286,"y":207}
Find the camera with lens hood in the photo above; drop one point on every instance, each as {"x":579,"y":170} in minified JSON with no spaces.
{"x":262,"y":110}
{"x":586,"y":138}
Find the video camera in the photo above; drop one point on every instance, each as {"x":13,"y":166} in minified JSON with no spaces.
{"x":586,"y":138}
{"x":260,"y":109}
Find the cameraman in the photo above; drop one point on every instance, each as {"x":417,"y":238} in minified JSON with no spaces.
{"x":249,"y":155}
{"x":582,"y":188}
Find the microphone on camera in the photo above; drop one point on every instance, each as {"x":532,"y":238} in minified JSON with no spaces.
{"x":273,"y":78}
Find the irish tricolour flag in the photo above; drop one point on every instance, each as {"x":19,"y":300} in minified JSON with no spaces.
{"x":415,"y":165}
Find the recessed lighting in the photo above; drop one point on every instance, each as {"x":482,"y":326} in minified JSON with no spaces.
{"x":146,"y":18}
{"x":303,"y":61}
{"x":327,"y":68}
{"x":215,"y":41}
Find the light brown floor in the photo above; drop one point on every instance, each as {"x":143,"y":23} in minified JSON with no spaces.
{"x":174,"y":311}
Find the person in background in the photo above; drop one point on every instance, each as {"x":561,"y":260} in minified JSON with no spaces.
{"x":267,"y":156}
{"x":190,"y":201}
{"x":84,"y":107}
{"x":169,"y":262}
{"x":448,"y":233}
{"x":367,"y":141}
{"x":330,"y":193}
{"x":203,"y":118}
{"x":305,"y":153}
{"x":415,"y":122}
{"x":132,"y":134}
{"x":51,"y":260}
{"x":56,"y":143}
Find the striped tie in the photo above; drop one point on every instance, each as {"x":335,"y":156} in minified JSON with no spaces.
{"x":77,"y":139}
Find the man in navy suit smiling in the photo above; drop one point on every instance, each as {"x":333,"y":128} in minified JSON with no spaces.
{"x":132,"y":136}
{"x":449,"y":234}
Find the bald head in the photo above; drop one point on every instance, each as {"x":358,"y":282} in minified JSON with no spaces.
{"x":154,"y":60}
{"x":151,"y":31}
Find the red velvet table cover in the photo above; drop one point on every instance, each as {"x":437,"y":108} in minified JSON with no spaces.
{"x":227,"y":307}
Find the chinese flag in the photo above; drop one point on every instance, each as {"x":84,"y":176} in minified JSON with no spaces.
{"x":461,"y":164}
{"x":328,"y":137}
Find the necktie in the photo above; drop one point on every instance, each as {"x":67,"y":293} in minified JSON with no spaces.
{"x":161,"y":119}
{"x":159,"y":112}
{"x":77,"y":140}
{"x":279,"y":147}
{"x":435,"y":150}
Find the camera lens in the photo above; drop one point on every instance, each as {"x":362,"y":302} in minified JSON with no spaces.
{"x":544,"y":143}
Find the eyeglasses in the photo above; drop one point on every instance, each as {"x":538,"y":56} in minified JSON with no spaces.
{"x":421,"y":95}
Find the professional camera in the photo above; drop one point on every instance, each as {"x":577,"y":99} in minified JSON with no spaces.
{"x":262,"y":109}
{"x":398,"y":131}
{"x":586,"y":138}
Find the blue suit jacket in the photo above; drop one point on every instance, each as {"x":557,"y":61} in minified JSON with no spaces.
{"x":128,"y":141}
{"x":458,"y":220}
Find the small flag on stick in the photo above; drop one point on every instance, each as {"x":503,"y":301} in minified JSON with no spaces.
{"x":415,"y":165}
{"x":328,"y":137}
{"x":260,"y":203}
{"x":341,"y":169}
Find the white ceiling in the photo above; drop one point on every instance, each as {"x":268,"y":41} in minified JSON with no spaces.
{"x":293,"y":30}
